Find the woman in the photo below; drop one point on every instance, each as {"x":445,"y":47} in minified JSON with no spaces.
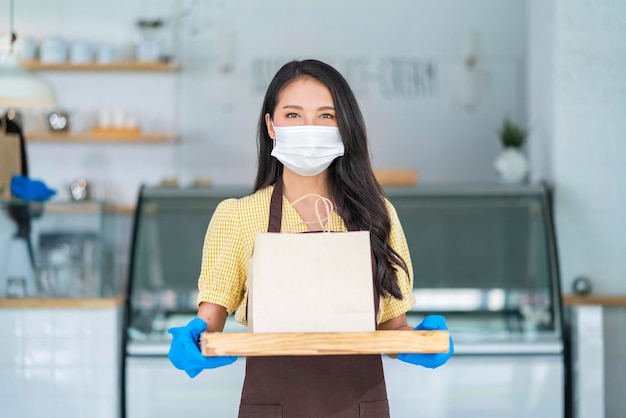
{"x":311,"y":140}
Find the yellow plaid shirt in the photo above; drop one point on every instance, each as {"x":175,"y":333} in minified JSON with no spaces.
{"x":228,"y":246}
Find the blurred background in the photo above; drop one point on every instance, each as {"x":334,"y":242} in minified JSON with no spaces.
{"x":167,"y":93}
{"x":425,"y":105}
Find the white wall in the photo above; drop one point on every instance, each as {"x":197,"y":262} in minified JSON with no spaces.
{"x":427,"y":132}
{"x":589,"y":147}
{"x":228,"y":51}
{"x":541,"y":27}
{"x":577,"y":102}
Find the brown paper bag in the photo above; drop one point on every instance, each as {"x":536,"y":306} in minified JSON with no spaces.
{"x":10,"y":162}
{"x":312,"y":282}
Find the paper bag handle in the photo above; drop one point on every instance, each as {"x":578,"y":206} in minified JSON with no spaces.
{"x":328,"y":206}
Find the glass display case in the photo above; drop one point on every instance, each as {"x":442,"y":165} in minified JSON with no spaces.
{"x":56,"y":249}
{"x":169,"y":231}
{"x":166,"y":252}
{"x":483,"y":256}
{"x":486,"y":258}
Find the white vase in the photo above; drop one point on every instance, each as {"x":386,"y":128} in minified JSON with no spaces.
{"x":512,"y":166}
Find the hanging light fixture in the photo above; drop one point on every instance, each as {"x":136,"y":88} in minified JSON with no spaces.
{"x":19,"y":87}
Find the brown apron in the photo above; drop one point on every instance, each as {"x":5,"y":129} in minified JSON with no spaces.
{"x":347,"y":386}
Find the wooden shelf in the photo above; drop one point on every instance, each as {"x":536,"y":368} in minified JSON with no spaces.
{"x":125,"y":209}
{"x":396,"y":177}
{"x":606,"y":300}
{"x":324,"y":343}
{"x":122,"y":138}
{"x":96,"y":303}
{"x":114,"y":66}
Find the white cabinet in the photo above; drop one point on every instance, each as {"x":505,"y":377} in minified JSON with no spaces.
{"x":155,"y":389}
{"x":60,"y":361}
{"x":598,"y":341}
{"x":478,"y":386}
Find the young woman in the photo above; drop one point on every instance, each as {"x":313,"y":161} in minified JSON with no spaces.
{"x":311,"y":140}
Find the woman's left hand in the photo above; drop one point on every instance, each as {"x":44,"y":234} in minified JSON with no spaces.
{"x":431,"y":361}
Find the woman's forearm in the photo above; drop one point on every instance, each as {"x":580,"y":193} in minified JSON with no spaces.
{"x":214,"y":315}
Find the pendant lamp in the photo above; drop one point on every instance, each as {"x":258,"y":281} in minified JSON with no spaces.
{"x":19,"y":87}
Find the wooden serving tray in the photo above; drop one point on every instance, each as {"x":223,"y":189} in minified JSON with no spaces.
{"x":323,"y":343}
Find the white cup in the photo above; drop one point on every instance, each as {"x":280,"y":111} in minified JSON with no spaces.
{"x":118,"y":118}
{"x":81,"y":52}
{"x":53,"y":50}
{"x":26,"y":48}
{"x":105,"y":119}
{"x":106,"y":54}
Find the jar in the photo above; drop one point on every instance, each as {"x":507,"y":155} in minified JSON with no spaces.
{"x":148,"y":40}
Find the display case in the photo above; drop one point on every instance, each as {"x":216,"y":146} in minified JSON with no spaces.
{"x":57,"y":249}
{"x":483,"y":256}
{"x":486,"y":258}
{"x":166,"y":252}
{"x":169,"y":229}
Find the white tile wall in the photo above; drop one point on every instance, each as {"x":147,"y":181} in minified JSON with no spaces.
{"x":13,"y":384}
{"x":59,"y":363}
{"x":589,"y":147}
{"x":11,"y":351}
{"x":11,"y":406}
{"x":68,"y":323}
{"x":32,"y":408}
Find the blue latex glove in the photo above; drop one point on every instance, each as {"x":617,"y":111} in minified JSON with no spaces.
{"x":431,"y":361}
{"x":28,"y":189}
{"x":185,"y":353}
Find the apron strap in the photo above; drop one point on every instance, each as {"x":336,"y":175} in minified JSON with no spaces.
{"x":276,"y":207}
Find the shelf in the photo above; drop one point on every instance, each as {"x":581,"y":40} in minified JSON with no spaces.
{"x":125,"y":209}
{"x":606,"y":300}
{"x":396,"y":177}
{"x":85,"y":137}
{"x":94,"y":303}
{"x":115,"y":66}
{"x":85,"y":206}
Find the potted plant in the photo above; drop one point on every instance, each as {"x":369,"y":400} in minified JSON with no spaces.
{"x":512,"y":164}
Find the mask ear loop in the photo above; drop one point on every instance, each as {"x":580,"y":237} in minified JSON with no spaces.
{"x":328,"y":204}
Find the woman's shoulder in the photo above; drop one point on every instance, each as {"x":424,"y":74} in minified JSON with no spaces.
{"x":260,"y":197}
{"x":390,"y":208}
{"x":245,"y":206}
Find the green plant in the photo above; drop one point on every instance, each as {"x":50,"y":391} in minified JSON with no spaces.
{"x":511,"y":134}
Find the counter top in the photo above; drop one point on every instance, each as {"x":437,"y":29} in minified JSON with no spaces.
{"x":62,"y":303}
{"x":606,"y":300}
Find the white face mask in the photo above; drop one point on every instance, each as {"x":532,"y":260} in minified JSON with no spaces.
{"x":307,"y":150}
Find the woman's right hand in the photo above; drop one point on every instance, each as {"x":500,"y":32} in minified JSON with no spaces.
{"x":185,"y":353}
{"x":431,"y":361}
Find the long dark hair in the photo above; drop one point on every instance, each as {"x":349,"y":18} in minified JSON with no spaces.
{"x":358,"y":197}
